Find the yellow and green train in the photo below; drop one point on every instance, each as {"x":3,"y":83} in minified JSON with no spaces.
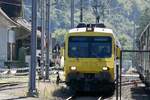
{"x":90,"y":56}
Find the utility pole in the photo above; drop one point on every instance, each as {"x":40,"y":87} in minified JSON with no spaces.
{"x":81,"y":10}
{"x":72,"y":13}
{"x":95,"y":8}
{"x":32,"y":81}
{"x":47,"y":38}
{"x":134,"y":33}
{"x":23,"y":6}
{"x":99,"y":9}
{"x":42,"y":37}
{"x":103,"y":14}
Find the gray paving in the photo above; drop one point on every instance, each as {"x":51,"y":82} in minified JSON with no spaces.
{"x":51,"y":91}
{"x":4,"y":96}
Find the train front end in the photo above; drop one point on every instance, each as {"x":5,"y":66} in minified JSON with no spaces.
{"x":89,"y":60}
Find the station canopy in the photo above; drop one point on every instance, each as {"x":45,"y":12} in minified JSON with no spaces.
{"x":21,"y":27}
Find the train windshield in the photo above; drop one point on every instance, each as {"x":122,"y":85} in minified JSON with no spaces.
{"x":90,"y":47}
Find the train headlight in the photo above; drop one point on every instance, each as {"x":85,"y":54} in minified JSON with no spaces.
{"x":105,"y":68}
{"x":73,"y":68}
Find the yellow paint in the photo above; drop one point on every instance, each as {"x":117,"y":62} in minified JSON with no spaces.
{"x":89,"y":65}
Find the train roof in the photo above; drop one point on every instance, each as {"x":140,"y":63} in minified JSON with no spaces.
{"x":101,"y":30}
{"x":105,"y":30}
{"x":82,"y":27}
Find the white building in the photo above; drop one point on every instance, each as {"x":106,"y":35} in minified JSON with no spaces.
{"x":6,"y":24}
{"x":14,"y":34}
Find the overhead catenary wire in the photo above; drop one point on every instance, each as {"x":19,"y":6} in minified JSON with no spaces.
{"x":3,"y":2}
{"x":100,"y":7}
{"x":108,"y":3}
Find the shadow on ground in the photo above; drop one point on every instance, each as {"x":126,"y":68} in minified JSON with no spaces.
{"x":140,"y":93}
{"x":62,"y":92}
{"x":7,"y":84}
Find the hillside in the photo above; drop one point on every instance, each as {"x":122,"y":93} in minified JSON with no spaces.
{"x":120,"y":15}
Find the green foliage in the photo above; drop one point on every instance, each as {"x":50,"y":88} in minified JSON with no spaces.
{"x":59,"y":35}
{"x":119,"y":15}
{"x":126,"y":41}
{"x":144,"y":20}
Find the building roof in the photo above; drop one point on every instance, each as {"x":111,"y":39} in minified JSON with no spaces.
{"x":26,"y":26}
{"x":6,"y":21}
{"x":19,"y":25}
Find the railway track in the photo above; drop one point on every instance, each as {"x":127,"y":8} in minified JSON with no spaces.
{"x":100,"y":98}
{"x":125,"y":83}
{"x":71,"y":98}
{"x":84,"y":98}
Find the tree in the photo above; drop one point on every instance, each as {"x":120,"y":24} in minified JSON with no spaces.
{"x":59,"y":34}
{"x":144,"y":20}
{"x":125,"y":41}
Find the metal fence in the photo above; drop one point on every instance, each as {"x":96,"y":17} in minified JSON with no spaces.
{"x":134,"y":66}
